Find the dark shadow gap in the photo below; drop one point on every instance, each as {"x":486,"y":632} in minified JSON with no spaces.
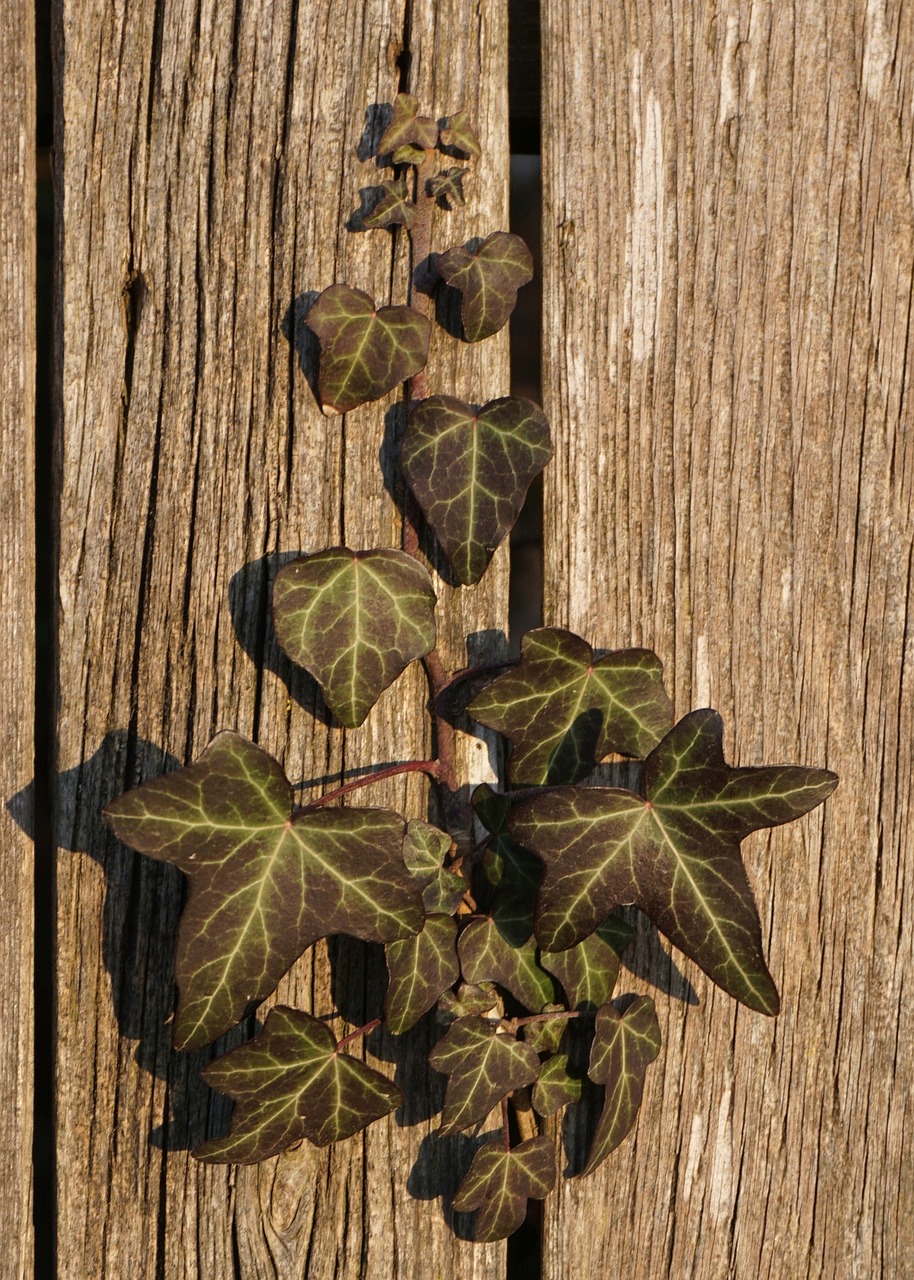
{"x":524,"y":1256}
{"x":44,"y":1164}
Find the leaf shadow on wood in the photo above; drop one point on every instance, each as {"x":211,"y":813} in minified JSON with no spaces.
{"x":251,"y":609}
{"x":369,"y":199}
{"x":143,"y":901}
{"x":439,"y":1169}
{"x":378,"y":116}
{"x":302,"y":340}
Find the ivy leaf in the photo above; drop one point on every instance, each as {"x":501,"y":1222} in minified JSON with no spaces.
{"x":624,"y":1046}
{"x":556,"y":1087}
{"x":460,"y":134}
{"x":355,"y":620}
{"x":264,"y":883}
{"x":408,"y":154}
{"x":447,"y":187}
{"x":564,"y":709}
{"x":674,"y":852}
{"x":507,"y":865}
{"x":467,"y":1000}
{"x":420,"y":968}
{"x":424,"y":849}
{"x":365,"y":350}
{"x":470,"y":471}
{"x":501,"y":949}
{"x":500,"y":1182}
{"x":489,"y":278}
{"x":395,"y":206}
{"x":483,"y":1067}
{"x":546,"y":1036}
{"x":406,"y":126}
{"x":588,"y":971}
{"x":290,"y":1082}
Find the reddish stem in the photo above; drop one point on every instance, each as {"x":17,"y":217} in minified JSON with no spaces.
{"x":431,"y":767}
{"x":468,"y":673}
{"x":505,"y":1124}
{"x":545,"y":1017}
{"x":359,"y":1031}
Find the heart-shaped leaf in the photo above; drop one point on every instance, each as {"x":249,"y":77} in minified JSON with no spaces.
{"x":406,"y":126}
{"x":564,"y":709}
{"x":546,"y":1036}
{"x":500,"y":1182}
{"x":291,"y":1082}
{"x":420,"y":968}
{"x":394,"y":207}
{"x":588,"y":971}
{"x":483,"y":1066}
{"x":500,"y":948}
{"x":355,"y":620}
{"x":489,"y":278}
{"x":447,"y":187}
{"x":624,"y":1046}
{"x":673,"y":851}
{"x":512,"y":869}
{"x":365,"y":350}
{"x":470,"y":471}
{"x":460,"y":134}
{"x":557,"y":1086}
{"x":264,"y":883}
{"x":424,"y":849}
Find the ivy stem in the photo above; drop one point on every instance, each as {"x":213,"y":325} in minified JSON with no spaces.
{"x":546,"y":1017}
{"x":468,"y":673}
{"x":431,"y":767}
{"x":506,"y":1128}
{"x":359,"y":1031}
{"x":420,"y":240}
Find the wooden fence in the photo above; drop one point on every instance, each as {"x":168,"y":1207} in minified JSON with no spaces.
{"x":728,"y":337}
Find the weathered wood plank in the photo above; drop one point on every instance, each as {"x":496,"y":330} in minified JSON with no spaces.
{"x":729,"y":245}
{"x":17,"y":615}
{"x":209,"y":169}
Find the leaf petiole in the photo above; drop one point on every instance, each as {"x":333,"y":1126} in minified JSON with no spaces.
{"x":431,"y":767}
{"x":358,"y":1033}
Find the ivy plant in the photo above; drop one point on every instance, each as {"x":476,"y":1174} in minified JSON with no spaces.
{"x":504,"y":916}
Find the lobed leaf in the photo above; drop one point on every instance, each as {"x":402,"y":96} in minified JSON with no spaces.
{"x":290,"y":1082}
{"x":394,"y":207}
{"x":500,"y":1182}
{"x":470,"y":471}
{"x":264,"y":883}
{"x":500,"y":948}
{"x":424,"y":849}
{"x":460,"y":134}
{"x":589,"y":970}
{"x":546,"y":1036}
{"x":408,"y":154}
{"x":557,"y":1086}
{"x":624,"y":1046}
{"x":365,"y":350}
{"x":674,"y":852}
{"x":507,"y":865}
{"x":420,"y":969}
{"x":484,"y":1066}
{"x":489,"y":278}
{"x":407,"y":126}
{"x":355,"y":620}
{"x":447,"y":187}
{"x":563,"y":709}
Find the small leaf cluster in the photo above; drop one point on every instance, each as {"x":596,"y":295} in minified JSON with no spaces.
{"x":505,"y":920}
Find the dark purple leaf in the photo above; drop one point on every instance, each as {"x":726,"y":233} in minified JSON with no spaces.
{"x":407,"y":126}
{"x":424,"y":850}
{"x":395,"y":207}
{"x":290,"y":1082}
{"x":500,"y":948}
{"x":673,"y":851}
{"x":355,"y":620}
{"x":563,"y":709}
{"x":483,"y":1067}
{"x":470,"y":471}
{"x":489,"y":278}
{"x":500,"y":1182}
{"x":588,"y":971}
{"x":557,"y":1086}
{"x":420,"y":968}
{"x":624,"y":1046}
{"x":459,"y":134}
{"x":365,"y":350}
{"x":264,"y":884}
{"x":447,"y":187}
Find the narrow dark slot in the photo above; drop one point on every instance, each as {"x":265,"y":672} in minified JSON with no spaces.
{"x":43,"y":1147}
{"x":525,"y":1247}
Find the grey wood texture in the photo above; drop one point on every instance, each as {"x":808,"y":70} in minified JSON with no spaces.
{"x":17,"y":617}
{"x":208,"y":168}
{"x":729,"y":265}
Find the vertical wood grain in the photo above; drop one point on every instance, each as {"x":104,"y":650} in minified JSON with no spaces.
{"x":17,"y":617}
{"x":209,"y":168}
{"x":729,"y":269}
